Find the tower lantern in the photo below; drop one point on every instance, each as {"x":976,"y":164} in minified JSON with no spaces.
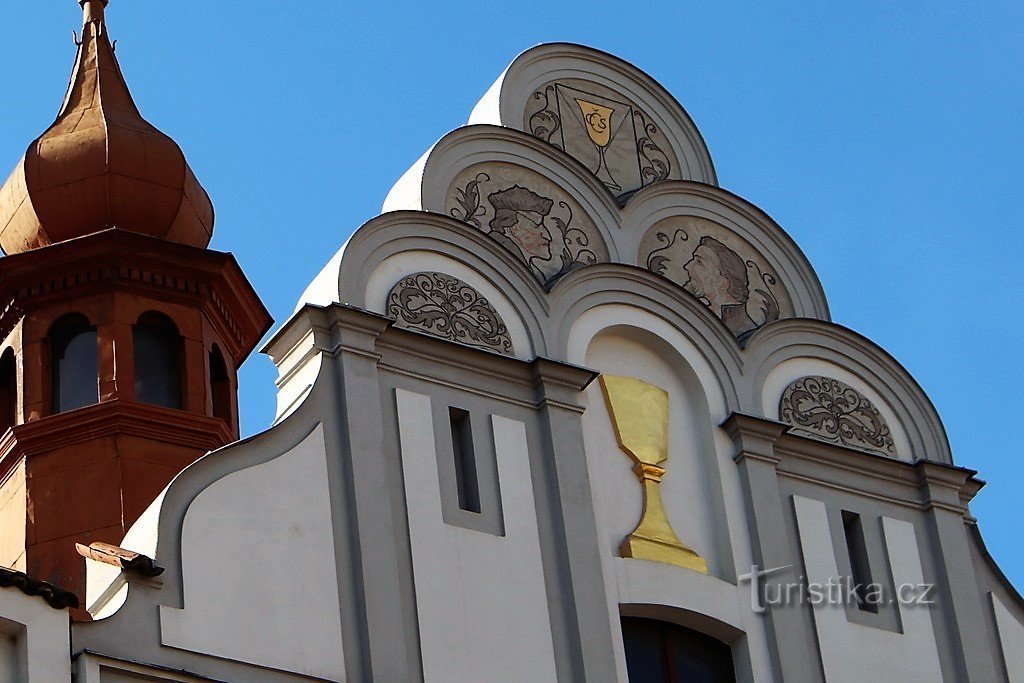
{"x":121,"y":332}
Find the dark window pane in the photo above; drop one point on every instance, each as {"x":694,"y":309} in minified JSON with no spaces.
{"x":74,"y":364}
{"x":662,"y":652}
{"x":220,"y":385}
{"x":645,"y":650}
{"x":157,"y":361}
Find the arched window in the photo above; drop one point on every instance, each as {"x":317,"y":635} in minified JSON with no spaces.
{"x":74,"y":364}
{"x":8,"y":390}
{"x":220,"y":385}
{"x":158,"y":355}
{"x":658,"y":651}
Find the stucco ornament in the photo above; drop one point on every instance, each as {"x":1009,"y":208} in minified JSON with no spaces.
{"x":825,"y":408}
{"x":532,"y":218}
{"x":447,"y":307}
{"x":725,"y":273}
{"x":613,"y":137}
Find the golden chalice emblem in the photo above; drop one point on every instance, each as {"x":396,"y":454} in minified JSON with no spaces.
{"x":597,"y":120}
{"x":639,"y":413}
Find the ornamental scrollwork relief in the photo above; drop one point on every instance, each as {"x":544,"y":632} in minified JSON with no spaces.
{"x":447,"y":307}
{"x":825,"y":408}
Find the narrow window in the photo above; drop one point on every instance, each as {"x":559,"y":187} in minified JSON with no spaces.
{"x":465,"y":460}
{"x":220,"y":385}
{"x":74,"y":364}
{"x":859,"y":566}
{"x":8,"y":390}
{"x":158,"y":351}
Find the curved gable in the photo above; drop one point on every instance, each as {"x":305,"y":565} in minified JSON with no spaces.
{"x":612,"y":117}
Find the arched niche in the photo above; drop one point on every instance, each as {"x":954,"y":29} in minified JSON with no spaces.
{"x":549,"y":91}
{"x":612,"y":294}
{"x":691,"y":489}
{"x":685,"y":490}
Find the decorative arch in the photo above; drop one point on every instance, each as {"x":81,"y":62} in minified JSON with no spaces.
{"x":665,"y":225}
{"x":789,"y":350}
{"x":651,"y":300}
{"x":74,"y":363}
{"x":544,"y":207}
{"x":545,"y":87}
{"x":395,"y":245}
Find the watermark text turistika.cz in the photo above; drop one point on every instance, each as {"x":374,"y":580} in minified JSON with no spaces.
{"x":837,"y":592}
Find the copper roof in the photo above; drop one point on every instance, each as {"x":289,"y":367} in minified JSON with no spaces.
{"x":56,"y":597}
{"x":101,"y":165}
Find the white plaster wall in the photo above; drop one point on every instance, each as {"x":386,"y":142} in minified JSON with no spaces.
{"x":480,"y":599}
{"x":34,"y":640}
{"x":782,"y":375}
{"x":260,"y":540}
{"x":298,"y":373}
{"x":1011,"y":640}
{"x":854,"y":652}
{"x":106,"y":588}
{"x":394,"y":268}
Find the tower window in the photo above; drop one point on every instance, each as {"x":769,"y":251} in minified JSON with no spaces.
{"x":74,"y":364}
{"x":220,"y":385}
{"x":8,"y":390}
{"x":662,"y":652}
{"x":158,"y":355}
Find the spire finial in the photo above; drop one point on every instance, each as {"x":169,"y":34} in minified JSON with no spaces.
{"x":92,"y":10}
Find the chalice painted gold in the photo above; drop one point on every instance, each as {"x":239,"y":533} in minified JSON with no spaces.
{"x":597,"y":120}
{"x":639,"y":413}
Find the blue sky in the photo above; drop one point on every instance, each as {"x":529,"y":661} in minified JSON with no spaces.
{"x":886,"y":138}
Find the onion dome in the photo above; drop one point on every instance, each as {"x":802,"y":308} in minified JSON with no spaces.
{"x":101,"y":165}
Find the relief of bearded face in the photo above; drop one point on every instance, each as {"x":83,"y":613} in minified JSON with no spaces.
{"x":716,"y":274}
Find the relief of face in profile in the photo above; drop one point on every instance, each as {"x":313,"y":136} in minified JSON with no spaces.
{"x":718,"y":277}
{"x":519,"y":219}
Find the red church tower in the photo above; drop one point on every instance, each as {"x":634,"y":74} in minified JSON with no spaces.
{"x":121,"y":332}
